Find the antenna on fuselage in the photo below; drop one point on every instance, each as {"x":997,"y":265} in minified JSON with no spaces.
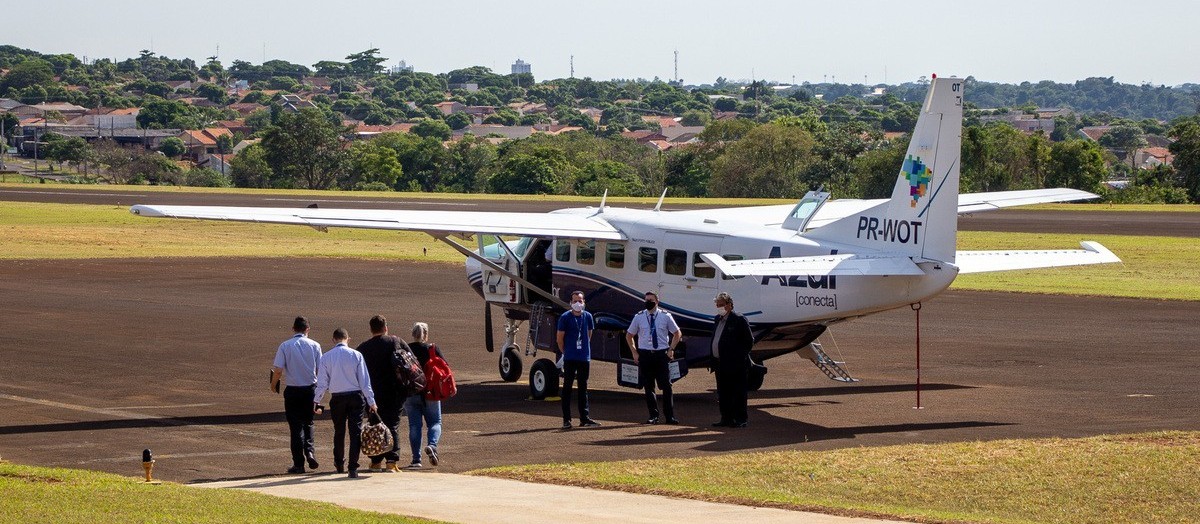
{"x":658,"y":206}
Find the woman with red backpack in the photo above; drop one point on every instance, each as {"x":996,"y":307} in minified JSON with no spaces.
{"x":425,"y":406}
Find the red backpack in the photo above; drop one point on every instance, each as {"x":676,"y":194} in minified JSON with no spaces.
{"x":439,"y":380}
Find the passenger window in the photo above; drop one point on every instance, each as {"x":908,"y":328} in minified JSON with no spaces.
{"x":731,"y":258}
{"x":615,"y":255}
{"x":701,"y":269}
{"x":586,"y":253}
{"x":648,"y":259}
{"x":674,"y":262}
{"x":562,"y":250}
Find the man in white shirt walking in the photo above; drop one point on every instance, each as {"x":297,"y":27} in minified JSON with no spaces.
{"x":652,"y":336}
{"x":344,"y":373}
{"x":295,"y":365}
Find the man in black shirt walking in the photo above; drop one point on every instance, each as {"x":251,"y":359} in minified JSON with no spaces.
{"x":377,"y":352}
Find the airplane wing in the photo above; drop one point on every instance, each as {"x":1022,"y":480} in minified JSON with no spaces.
{"x":833,"y":210}
{"x":562,"y":225}
{"x":975,"y":202}
{"x":837,"y":265}
{"x":985,"y":261}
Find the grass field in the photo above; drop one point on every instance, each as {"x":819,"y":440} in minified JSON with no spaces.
{"x":1140,"y":478}
{"x":30,"y":494}
{"x":1154,"y":267}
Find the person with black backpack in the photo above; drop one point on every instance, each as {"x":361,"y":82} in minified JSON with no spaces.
{"x":378,"y":352}
{"x":420,"y":408}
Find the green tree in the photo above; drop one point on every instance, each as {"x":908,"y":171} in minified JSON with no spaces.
{"x":206,"y":177}
{"x":34,"y":72}
{"x":695,"y":117}
{"x":304,"y":147}
{"x":617,"y":178}
{"x":366,"y":63}
{"x":767,"y":162}
{"x":458,"y":120}
{"x":173,"y":147}
{"x":1126,"y":139}
{"x":213,"y":92}
{"x":1077,"y":164}
{"x":431,"y":128}
{"x":250,"y":168}
{"x":1186,"y":149}
{"x":370,"y":164}
{"x":526,"y":174}
{"x":66,"y":149}
{"x":157,"y":113}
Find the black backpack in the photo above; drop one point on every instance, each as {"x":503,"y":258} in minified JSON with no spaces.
{"x":410,"y":378}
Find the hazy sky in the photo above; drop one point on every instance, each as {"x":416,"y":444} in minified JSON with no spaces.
{"x":1156,"y":41}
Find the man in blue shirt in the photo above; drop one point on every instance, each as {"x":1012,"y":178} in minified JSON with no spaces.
{"x":344,"y":373}
{"x":652,"y":337}
{"x":296,"y":366}
{"x":574,"y":342}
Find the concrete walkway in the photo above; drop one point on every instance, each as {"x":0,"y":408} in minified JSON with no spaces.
{"x":469,"y":499}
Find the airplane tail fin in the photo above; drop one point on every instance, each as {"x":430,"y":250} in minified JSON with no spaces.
{"x":921,"y":218}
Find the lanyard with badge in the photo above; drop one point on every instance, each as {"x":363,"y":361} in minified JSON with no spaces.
{"x":579,"y":332}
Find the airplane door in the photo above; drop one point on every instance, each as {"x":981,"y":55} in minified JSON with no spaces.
{"x":682,"y":268}
{"x":496,"y":286}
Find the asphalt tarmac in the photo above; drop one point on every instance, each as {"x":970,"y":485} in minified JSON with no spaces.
{"x":102,"y":358}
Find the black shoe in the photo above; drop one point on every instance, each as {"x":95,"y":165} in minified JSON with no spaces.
{"x":566,"y":424}
{"x":722,"y":424}
{"x":312,"y":461}
{"x":431,"y":452}
{"x":588,"y":423}
{"x":652,"y":420}
{"x":353,"y":474}
{"x":738,"y":424}
{"x":340,"y":468}
{"x":295,"y":470}
{"x":672,"y":420}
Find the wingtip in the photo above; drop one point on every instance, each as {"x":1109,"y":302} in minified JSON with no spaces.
{"x":1099,"y":249}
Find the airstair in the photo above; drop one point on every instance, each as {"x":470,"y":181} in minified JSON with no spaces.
{"x":830,"y":367}
{"x":541,"y":332}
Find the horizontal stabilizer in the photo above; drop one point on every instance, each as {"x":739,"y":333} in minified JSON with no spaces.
{"x":976,"y":202}
{"x":823,"y":265}
{"x":985,"y":261}
{"x":561,"y":225}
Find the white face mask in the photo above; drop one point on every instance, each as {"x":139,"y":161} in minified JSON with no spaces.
{"x":720,"y":311}
{"x":577,"y":307}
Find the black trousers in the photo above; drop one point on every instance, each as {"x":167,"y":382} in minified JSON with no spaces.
{"x":347,"y":412}
{"x":654,"y":366}
{"x":731,"y":390}
{"x":298,"y":408}
{"x":575,"y":370}
{"x":389,"y":412}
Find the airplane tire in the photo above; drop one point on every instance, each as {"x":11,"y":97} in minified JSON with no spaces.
{"x":510,"y":365}
{"x":543,"y":379}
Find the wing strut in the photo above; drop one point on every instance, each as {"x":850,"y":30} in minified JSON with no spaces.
{"x":529,"y":286}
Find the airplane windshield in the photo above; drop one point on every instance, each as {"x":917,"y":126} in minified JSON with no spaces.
{"x":805,"y":209}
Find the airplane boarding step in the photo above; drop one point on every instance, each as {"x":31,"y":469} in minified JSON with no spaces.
{"x":831,"y":368}
{"x":533,"y":336}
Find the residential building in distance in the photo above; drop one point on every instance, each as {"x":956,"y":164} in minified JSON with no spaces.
{"x":521,"y":66}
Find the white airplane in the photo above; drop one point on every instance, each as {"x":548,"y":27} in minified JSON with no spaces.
{"x":793,"y":270}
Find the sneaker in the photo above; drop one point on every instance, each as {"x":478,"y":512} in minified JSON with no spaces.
{"x":672,"y":420}
{"x":295,"y":470}
{"x":414,"y":465}
{"x":391,"y":467}
{"x":353,"y":474}
{"x":431,"y":452}
{"x":566,"y":425}
{"x":652,"y":420}
{"x":589,"y":423}
{"x":376,"y":465}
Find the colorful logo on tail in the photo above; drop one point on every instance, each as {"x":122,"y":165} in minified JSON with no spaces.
{"x":918,"y":175}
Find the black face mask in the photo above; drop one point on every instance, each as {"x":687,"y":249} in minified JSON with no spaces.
{"x":650,"y":304}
